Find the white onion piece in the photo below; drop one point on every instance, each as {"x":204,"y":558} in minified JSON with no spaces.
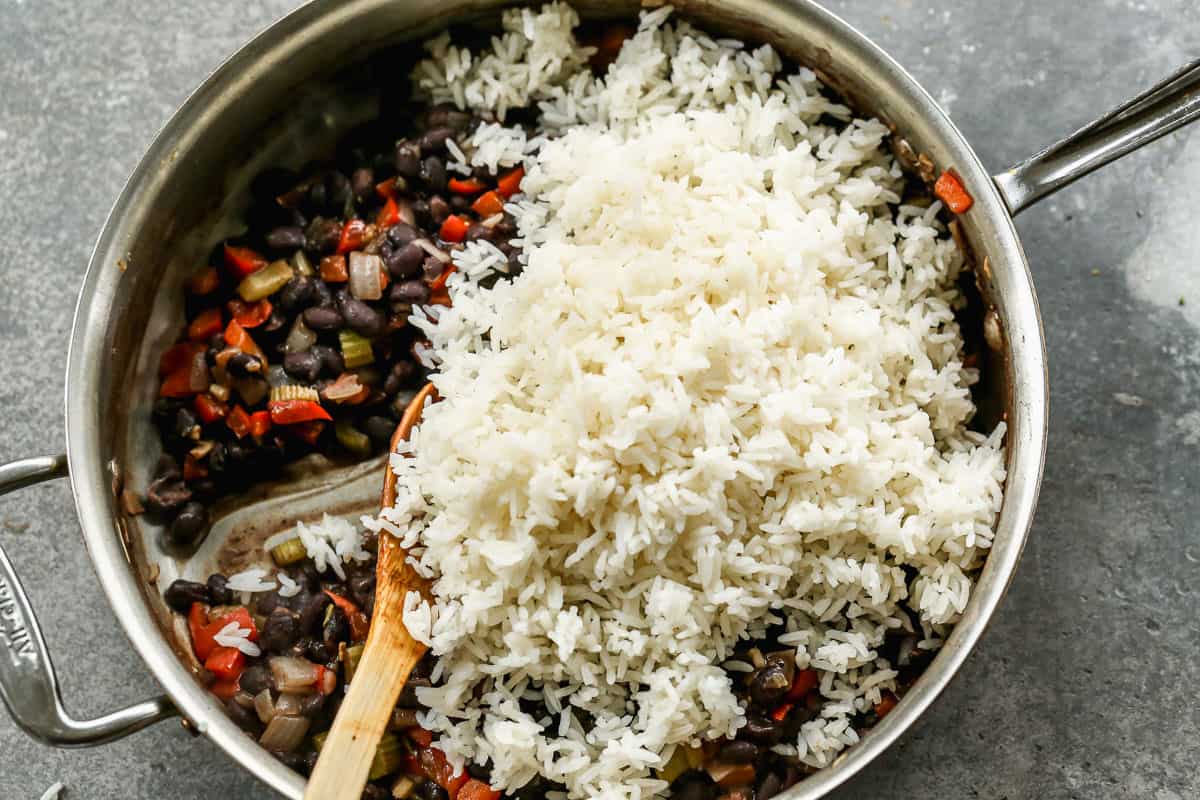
{"x":293,"y":674}
{"x":264,"y":706}
{"x":288,"y":704}
{"x":433,"y":250}
{"x":364,"y":276}
{"x":406,"y":213}
{"x":300,"y":338}
{"x":284,"y":733}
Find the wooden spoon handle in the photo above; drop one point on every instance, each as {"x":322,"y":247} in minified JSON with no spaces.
{"x":387,"y":661}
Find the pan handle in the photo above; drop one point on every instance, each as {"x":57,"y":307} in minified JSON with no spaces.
{"x":28,"y":685}
{"x":1167,"y":106}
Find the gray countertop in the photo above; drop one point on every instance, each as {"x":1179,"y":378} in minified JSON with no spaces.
{"x":1084,"y":685}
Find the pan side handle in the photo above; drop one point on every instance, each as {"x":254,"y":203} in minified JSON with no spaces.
{"x":28,"y":684}
{"x":1165,"y":107}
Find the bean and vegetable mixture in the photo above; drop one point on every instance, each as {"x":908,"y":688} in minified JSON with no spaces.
{"x":296,"y":341}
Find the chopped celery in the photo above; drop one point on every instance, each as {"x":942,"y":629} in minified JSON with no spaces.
{"x":356,"y":350}
{"x":266,"y":281}
{"x":676,"y":766}
{"x":318,"y":740}
{"x":294,"y":391}
{"x":352,"y":438}
{"x":350,"y":663}
{"x":290,"y":552}
{"x":387,"y":757}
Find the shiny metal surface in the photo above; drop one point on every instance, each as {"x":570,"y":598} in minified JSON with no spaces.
{"x":28,"y":685}
{"x":284,"y":96}
{"x":1156,"y":112}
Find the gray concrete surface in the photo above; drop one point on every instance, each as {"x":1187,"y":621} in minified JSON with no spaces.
{"x":1085,"y":685}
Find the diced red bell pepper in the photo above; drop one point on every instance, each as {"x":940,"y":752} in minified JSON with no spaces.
{"x":804,"y":682}
{"x":510,"y":182}
{"x":333,"y":269}
{"x":488,"y":204}
{"x":197,"y":623}
{"x":238,"y":422}
{"x":454,"y":229}
{"x":236,"y":336}
{"x":289,"y":412}
{"x":250,"y":315}
{"x":886,"y":703}
{"x":353,"y":236}
{"x":440,"y":281}
{"x":780,"y":713}
{"x":435,"y":767}
{"x":260,"y":423}
{"x":359,"y":624}
{"x":950,"y":190}
{"x":226,"y":663}
{"x":419,"y":735}
{"x":224,"y":689}
{"x":440,"y":298}
{"x":466,"y":185}
{"x":307,"y":432}
{"x":205,"y":281}
{"x":386,"y":189}
{"x":193,"y":470}
{"x":178,"y":383}
{"x":206,"y":324}
{"x":389,"y":215}
{"x":209,"y":408}
{"x":242,"y":261}
{"x":179,"y":356}
{"x":475,"y":789}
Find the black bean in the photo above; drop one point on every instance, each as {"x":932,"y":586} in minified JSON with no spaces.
{"x":245,"y":718}
{"x":189,"y":525}
{"x":770,"y":684}
{"x":428,"y":790}
{"x":312,"y":613}
{"x":267,"y":602}
{"x":479,"y":772}
{"x":434,"y":140}
{"x":362,"y":318}
{"x":295,"y":294}
{"x":420,"y":209}
{"x":303,"y":366}
{"x":274,"y":322}
{"x":323,"y":235}
{"x":362,"y":182}
{"x":459,"y":203}
{"x":415,"y":292}
{"x":186,"y":423}
{"x":479,"y":231}
{"x":375,"y":792}
{"x":447,"y":116}
{"x":439,"y":209}
{"x":404,"y":262}
{"x":408,"y":695}
{"x":408,"y":159}
{"x":166,"y":468}
{"x":312,"y":705}
{"x":432,"y":267}
{"x":181,"y":594}
{"x":694,"y":785}
{"x":336,"y":628}
{"x":218,"y":589}
{"x":738,"y":752}
{"x":286,"y":237}
{"x":337,"y":190}
{"x":236,"y":452}
{"x":763,"y":730}
{"x":433,"y":172}
{"x":322,"y":295}
{"x":379,"y":429}
{"x":254,"y":679}
{"x":280,"y":631}
{"x":166,"y":495}
{"x":310,"y":761}
{"x":290,"y":759}
{"x":401,"y":234}
{"x":770,"y":786}
{"x":362,"y":588}
{"x":320,"y":318}
{"x":331,"y":360}
{"x":244,"y":365}
{"x":398,"y":375}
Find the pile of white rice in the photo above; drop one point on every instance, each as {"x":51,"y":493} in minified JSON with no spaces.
{"x":725,"y":392}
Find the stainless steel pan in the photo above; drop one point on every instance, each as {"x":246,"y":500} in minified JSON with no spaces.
{"x":283,"y":95}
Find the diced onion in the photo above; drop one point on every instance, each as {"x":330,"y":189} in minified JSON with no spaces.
{"x":264,"y":706}
{"x":284,"y":733}
{"x":293,"y":674}
{"x":364,"y":276}
{"x":289,"y":704}
{"x":300,"y":338}
{"x":433,"y":250}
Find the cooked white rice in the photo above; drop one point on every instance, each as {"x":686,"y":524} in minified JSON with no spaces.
{"x":726,"y":392}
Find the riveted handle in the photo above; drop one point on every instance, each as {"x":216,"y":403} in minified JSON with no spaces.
{"x":1163,"y":108}
{"x":28,"y":685}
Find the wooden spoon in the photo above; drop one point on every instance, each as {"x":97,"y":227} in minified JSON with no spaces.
{"x":387,"y":660}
